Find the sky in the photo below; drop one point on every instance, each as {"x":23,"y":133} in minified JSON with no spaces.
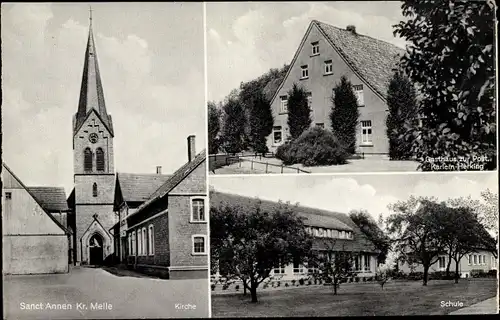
{"x":151,"y":60}
{"x":246,"y":39}
{"x":370,"y":192}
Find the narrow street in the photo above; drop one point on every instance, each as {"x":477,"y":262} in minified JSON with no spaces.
{"x":94,"y":293}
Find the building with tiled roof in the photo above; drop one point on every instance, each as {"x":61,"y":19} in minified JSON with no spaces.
{"x":332,"y":232}
{"x":34,"y":240}
{"x":166,"y":235}
{"x":325,"y":54}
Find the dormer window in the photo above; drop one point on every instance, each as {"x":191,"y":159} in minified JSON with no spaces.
{"x":315,"y":48}
{"x":304,"y":72}
{"x":284,"y":104}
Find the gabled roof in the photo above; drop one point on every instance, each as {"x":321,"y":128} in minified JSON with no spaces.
{"x":52,"y":199}
{"x":174,"y":180}
{"x":91,"y":91}
{"x":36,"y":200}
{"x":312,"y":217}
{"x":139,"y":187}
{"x":372,"y":60}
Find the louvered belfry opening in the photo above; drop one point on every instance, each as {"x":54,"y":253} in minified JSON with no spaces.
{"x":87,"y":160}
{"x":100,"y":159}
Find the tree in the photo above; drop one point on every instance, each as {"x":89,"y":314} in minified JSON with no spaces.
{"x":369,"y":227}
{"x":251,"y":241}
{"x":261,"y":122}
{"x":417,"y":227}
{"x":233,"y":131}
{"x":344,"y":114}
{"x":402,"y":104}
{"x":299,"y":112}
{"x":214,"y":125}
{"x":450,"y":57}
{"x":336,"y":267}
{"x":463,"y":234}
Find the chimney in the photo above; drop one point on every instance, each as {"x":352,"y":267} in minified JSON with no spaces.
{"x":191,"y":147}
{"x":158,"y":169}
{"x":351,"y":28}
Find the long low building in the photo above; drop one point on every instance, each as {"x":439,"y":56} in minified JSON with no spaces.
{"x":332,"y":232}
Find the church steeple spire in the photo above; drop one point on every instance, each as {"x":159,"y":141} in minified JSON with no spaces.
{"x":91,"y":92}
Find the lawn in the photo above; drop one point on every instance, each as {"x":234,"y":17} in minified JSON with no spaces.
{"x":397,"y":298}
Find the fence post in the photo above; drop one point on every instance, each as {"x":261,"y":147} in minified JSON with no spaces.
{"x":251,"y":165}
{"x":267,"y":164}
{"x":298,"y":170}
{"x":282,"y":168}
{"x":240,"y":162}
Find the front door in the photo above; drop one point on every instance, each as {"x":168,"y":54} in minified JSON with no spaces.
{"x":96,"y":250}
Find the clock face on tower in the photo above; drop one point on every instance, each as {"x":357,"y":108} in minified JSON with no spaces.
{"x":93,"y":137}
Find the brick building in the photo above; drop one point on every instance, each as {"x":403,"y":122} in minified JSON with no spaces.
{"x":332,"y":232}
{"x":167,"y":234}
{"x":325,"y":54}
{"x":91,"y":200}
{"x":35,"y":237}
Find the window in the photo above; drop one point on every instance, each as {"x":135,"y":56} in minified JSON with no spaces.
{"x":475,"y":259}
{"x":366,"y":132}
{"x":8,"y":195}
{"x":484,"y":259}
{"x":279,"y":268}
{"x":357,"y":263}
{"x":470,"y":259}
{"x":367,"y":262}
{"x":315,"y":48}
{"x":309,"y":99}
{"x":320,"y":232}
{"x":493,"y":262}
{"x":442,"y":262}
{"x":133,"y":243}
{"x":198,"y":210}
{"x":94,"y":189}
{"x":335,"y":233}
{"x":151,"y":239}
{"x":328,"y":67}
{"x":129,"y":244}
{"x":284,"y":104}
{"x":358,"y":90}
{"x":298,"y":268}
{"x":277,"y":135}
{"x":87,"y":160}
{"x":304,"y":72}
{"x":144,"y":243}
{"x":99,"y":159}
{"x":139,"y":242}
{"x":342,"y":234}
{"x":320,"y":125}
{"x":199,"y":245}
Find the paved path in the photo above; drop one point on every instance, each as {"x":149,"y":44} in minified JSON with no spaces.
{"x":88,"y":293}
{"x":485,"y":307}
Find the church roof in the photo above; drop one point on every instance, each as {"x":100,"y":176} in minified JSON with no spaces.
{"x":312,"y":217}
{"x":174,"y":180}
{"x":52,"y":199}
{"x":91,"y":92}
{"x":373,"y":60}
{"x":139,"y":187}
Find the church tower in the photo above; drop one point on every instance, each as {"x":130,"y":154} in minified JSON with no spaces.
{"x":94,"y":172}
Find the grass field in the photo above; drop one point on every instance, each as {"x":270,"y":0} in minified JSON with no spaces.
{"x":397,"y":298}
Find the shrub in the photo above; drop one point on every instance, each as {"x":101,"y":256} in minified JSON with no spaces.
{"x":237,"y":287}
{"x":416,"y":276}
{"x":314,"y":147}
{"x":265,"y":286}
{"x":492,"y":273}
{"x":356,"y":279}
{"x":364,"y":279}
{"x":369,"y":279}
{"x":315,"y":281}
{"x":301,"y":282}
{"x":293,"y":281}
{"x":441,"y":275}
{"x":278,"y":284}
{"x":309,"y":282}
{"x":213,"y":286}
{"x":350,"y":279}
{"x":225,"y":286}
{"x":286,"y":284}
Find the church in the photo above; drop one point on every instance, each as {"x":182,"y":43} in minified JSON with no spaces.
{"x":154,"y":224}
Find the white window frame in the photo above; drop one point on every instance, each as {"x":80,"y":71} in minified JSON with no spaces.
{"x":204,"y":237}
{"x":139,"y":242}
{"x":304,"y":72}
{"x":469,"y":259}
{"x":144,"y":242}
{"x":133,"y":243}
{"x":366,"y":138}
{"x":328,"y":70}
{"x":277,"y":129}
{"x":8,"y":195}
{"x":151,"y":240}
{"x":484,"y":259}
{"x":315,"y":48}
{"x":367,"y":263}
{"x":191,"y":209}
{"x":280,"y":269}
{"x":283,"y":104}
{"x":358,"y":90}
{"x":475,"y":259}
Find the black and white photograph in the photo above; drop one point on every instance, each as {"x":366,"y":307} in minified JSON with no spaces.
{"x":104,"y":191}
{"x":351,"y":86}
{"x":365,"y":245}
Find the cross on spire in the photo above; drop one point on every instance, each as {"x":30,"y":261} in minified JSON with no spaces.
{"x":90,"y":14}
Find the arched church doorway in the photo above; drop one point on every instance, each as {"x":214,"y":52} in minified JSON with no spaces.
{"x":96,"y":250}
